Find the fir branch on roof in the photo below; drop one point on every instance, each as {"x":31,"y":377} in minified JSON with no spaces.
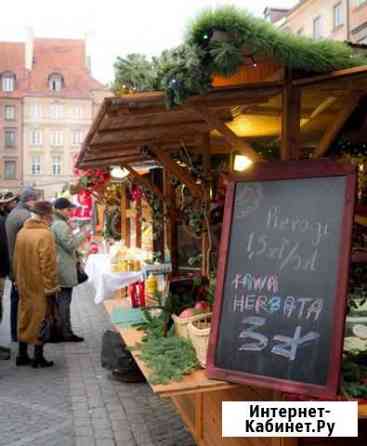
{"x":264,"y":39}
{"x":188,"y":69}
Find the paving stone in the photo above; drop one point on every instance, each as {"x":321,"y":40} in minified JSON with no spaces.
{"x":85,"y":441}
{"x":105,"y":442}
{"x":75,"y":403}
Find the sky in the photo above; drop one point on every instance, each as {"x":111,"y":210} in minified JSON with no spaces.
{"x":114,"y":27}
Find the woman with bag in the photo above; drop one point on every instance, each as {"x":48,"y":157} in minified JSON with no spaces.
{"x":35,"y":272}
{"x":67,"y":264}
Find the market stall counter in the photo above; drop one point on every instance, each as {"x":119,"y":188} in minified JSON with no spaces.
{"x":198,"y":399}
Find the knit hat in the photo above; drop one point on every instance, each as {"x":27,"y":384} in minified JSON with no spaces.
{"x":28,"y":194}
{"x":42,"y":208}
{"x":63,"y":203}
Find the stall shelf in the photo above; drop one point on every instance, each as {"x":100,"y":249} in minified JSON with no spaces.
{"x":198,"y":400}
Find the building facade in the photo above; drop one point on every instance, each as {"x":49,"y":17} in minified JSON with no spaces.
{"x":56,"y":104}
{"x":12,"y":82}
{"x":329,"y":19}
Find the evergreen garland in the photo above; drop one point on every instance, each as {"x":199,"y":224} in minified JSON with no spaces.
{"x":215,"y":43}
{"x":263,"y":38}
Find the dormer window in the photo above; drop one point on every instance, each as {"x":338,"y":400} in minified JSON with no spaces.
{"x":55,"y":82}
{"x":8,"y":81}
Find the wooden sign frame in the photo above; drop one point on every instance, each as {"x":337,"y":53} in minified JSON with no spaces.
{"x":287,"y":170}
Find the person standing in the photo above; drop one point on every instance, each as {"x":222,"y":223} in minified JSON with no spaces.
{"x":35,"y":273}
{"x":4,"y":272}
{"x":67,"y":258}
{"x":14,"y":222}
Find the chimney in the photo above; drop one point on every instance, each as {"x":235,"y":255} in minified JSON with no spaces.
{"x":29,"y":48}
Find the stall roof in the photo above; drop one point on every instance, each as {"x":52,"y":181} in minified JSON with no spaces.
{"x":125,"y":126}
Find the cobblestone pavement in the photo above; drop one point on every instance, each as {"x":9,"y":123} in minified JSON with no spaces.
{"x":74,"y":403}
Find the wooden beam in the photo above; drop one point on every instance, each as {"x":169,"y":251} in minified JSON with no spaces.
{"x":143,"y":181}
{"x":142,"y":135}
{"x":168,"y":163}
{"x":324,"y":105}
{"x":290,"y":131}
{"x":232,"y":139}
{"x":142,"y":110}
{"x":334,"y":75}
{"x":152,"y":128}
{"x":108,"y":162}
{"x":336,"y":126}
{"x":235,"y":93}
{"x":96,"y":154}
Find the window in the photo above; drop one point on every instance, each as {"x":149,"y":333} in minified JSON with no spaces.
{"x":338,"y":15}
{"x":317,"y":28}
{"x":77,"y":137}
{"x":36,"y":111}
{"x":8,"y":82}
{"x":77,"y":113}
{"x":55,"y":82}
{"x":56,"y":111}
{"x":57,"y":138}
{"x":36,"y":165}
{"x":9,"y":137}
{"x":36,"y":137}
{"x":10,"y":170}
{"x":9,"y":112}
{"x":56,"y":165}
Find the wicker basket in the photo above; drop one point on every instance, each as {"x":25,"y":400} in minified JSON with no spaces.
{"x":199,"y":334}
{"x":181,"y":324}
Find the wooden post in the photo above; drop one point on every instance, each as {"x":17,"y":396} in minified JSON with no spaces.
{"x":138,"y":223}
{"x":169,"y":192}
{"x":158,"y":241}
{"x":291,"y":116}
{"x":127,"y":220}
{"x":205,"y":264}
{"x":123,"y":213}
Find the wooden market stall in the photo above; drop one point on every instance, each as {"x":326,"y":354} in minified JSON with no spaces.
{"x":266,"y":101}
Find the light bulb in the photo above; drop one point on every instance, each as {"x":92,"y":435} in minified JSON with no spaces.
{"x":241,"y":163}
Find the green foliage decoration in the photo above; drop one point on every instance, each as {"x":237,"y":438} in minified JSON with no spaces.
{"x":260,"y":37}
{"x":133,"y":73}
{"x":181,"y":73}
{"x":168,"y":357}
{"x":216,"y":43}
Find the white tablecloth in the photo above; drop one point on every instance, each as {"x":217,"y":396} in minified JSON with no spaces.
{"x":104,"y":281}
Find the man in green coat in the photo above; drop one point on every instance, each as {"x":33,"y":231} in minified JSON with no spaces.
{"x":66,"y":245}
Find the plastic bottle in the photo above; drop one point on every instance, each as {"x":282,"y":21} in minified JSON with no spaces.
{"x":151,"y":287}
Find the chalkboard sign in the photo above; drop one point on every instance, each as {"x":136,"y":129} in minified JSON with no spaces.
{"x":282,"y":277}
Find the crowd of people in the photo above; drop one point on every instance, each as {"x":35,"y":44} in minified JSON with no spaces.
{"x":39,"y":254}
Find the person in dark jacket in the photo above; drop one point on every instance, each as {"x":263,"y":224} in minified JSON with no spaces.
{"x":4,"y":272}
{"x":14,"y":223}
